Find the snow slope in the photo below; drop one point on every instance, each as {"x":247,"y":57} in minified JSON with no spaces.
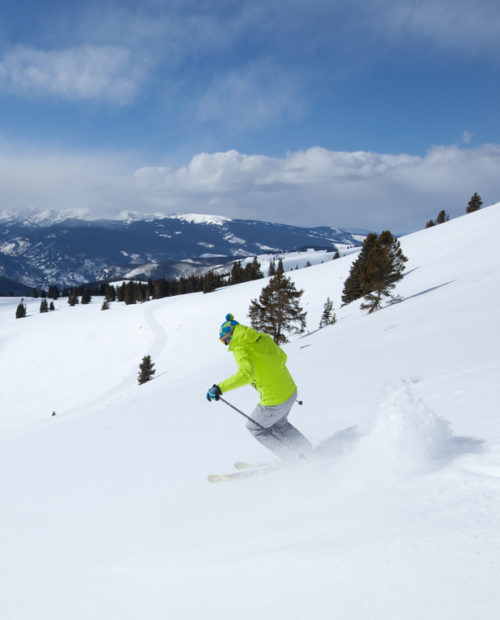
{"x":105,"y":509}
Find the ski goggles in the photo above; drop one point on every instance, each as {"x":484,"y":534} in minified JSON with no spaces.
{"x":226,"y":339}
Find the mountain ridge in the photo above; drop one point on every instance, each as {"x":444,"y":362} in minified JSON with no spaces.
{"x":75,"y":251}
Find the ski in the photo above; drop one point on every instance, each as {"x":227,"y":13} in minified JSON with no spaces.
{"x":239,"y":465}
{"x":243,"y":473}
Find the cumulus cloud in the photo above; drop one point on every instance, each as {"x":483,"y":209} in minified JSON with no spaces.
{"x":318,"y":186}
{"x":101,"y":73}
{"x":310,"y":187}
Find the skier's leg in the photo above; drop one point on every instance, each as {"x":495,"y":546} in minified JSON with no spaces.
{"x":291,"y":436}
{"x":284,"y":440}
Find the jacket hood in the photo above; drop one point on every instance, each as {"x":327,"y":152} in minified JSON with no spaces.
{"x":243,"y":335}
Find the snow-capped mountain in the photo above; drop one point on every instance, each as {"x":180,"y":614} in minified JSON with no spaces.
{"x":40,"y":249}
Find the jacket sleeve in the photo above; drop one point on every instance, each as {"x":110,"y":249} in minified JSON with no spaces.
{"x":240,"y":378}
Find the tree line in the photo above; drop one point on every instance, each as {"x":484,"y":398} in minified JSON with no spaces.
{"x":474,"y":204}
{"x":132,"y":292}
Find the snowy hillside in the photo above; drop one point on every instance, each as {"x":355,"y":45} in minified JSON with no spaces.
{"x":106,"y":509}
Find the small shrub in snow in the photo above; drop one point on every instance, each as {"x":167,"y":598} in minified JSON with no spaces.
{"x":146,"y":370}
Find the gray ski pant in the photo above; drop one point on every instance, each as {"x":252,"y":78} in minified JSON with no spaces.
{"x":286,"y":441}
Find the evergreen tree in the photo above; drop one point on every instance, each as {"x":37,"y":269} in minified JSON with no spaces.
{"x":474,"y":203}
{"x":256,"y":269}
{"x":336,"y":255}
{"x":53,"y":292}
{"x":105,"y":305}
{"x":328,"y":317}
{"x":160,"y":288}
{"x":139,"y":292}
{"x":352,"y":287}
{"x":237,"y":274}
{"x":52,"y":307}
{"x":146,"y":370}
{"x":44,"y":306}
{"x":430,"y":224}
{"x":73,"y":297}
{"x":210,"y":282}
{"x":110,"y":293}
{"x":442,"y":217}
{"x":272,"y":267}
{"x":21,"y":310}
{"x":384,"y":267}
{"x":129,"y":293}
{"x":278,"y":309}
{"x":120,"y":293}
{"x":252,"y":271}
{"x":86,"y":296}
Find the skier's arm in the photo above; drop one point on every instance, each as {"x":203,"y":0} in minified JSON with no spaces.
{"x":242,"y":377}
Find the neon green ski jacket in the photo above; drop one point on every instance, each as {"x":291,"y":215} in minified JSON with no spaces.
{"x":261,"y":363}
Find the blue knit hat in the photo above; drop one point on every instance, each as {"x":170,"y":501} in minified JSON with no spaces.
{"x":226,"y":329}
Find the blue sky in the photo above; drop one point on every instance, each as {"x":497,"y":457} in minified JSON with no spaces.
{"x":356,"y":113}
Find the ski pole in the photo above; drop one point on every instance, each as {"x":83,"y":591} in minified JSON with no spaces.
{"x":290,"y":447}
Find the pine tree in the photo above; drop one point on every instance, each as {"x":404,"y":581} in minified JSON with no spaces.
{"x":384,"y":267}
{"x":129,"y":293}
{"x":256,"y":269}
{"x":210,"y":282}
{"x":237,"y":273}
{"x":86,"y":296}
{"x":105,"y":305}
{"x":328,"y":317}
{"x":21,"y":310}
{"x":474,"y":203}
{"x":52,"y":307}
{"x":44,"y":306}
{"x":352,"y":287}
{"x":53,"y":292}
{"x":160,"y":288}
{"x":278,"y":309}
{"x":110,"y":293}
{"x":430,"y":224}
{"x":442,"y":217}
{"x":146,"y":370}
{"x":120,"y":293}
{"x":272,"y":268}
{"x":73,"y":297}
{"x":252,"y":271}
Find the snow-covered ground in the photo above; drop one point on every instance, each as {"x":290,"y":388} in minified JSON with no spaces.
{"x":106,"y":512}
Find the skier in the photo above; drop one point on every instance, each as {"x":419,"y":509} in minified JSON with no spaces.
{"x":262,"y":363}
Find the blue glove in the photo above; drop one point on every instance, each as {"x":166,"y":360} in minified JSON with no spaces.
{"x":214,"y":393}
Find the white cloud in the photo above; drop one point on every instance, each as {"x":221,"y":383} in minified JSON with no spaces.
{"x":311,"y":187}
{"x":101,"y":73}
{"x":252,"y":96}
{"x":457,"y":25}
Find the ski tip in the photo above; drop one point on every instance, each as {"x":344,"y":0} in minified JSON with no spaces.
{"x":216,"y":478}
{"x":244,"y":465}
